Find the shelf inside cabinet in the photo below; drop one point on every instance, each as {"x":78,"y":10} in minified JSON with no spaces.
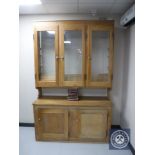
{"x":47,"y":78}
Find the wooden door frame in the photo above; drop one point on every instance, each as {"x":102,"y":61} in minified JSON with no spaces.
{"x":71,"y":26}
{"x":49,"y":136}
{"x":45,"y":26}
{"x":78,"y":113}
{"x":109,"y":29}
{"x":95,"y":111}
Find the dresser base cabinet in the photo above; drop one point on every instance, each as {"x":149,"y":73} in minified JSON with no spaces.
{"x":62,"y":120}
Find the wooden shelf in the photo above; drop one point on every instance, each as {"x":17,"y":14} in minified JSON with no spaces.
{"x":47,"y":78}
{"x":73,"y":77}
{"x":100,"y":78}
{"x":64,"y":102}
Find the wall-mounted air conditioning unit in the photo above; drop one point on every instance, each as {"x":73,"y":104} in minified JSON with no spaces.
{"x":128,"y":17}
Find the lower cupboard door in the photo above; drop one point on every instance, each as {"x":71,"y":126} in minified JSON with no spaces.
{"x":52,"y":124}
{"x":88,"y":125}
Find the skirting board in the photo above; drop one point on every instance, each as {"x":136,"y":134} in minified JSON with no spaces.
{"x":26,"y":124}
{"x":21,"y":124}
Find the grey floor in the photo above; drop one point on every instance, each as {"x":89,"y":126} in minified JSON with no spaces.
{"x":28,"y":146}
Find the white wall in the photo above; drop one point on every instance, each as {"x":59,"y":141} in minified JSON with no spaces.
{"x":28,"y":93}
{"x":116,"y":93}
{"x":128,"y":96}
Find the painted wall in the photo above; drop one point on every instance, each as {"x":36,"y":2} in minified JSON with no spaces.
{"x":128,"y":96}
{"x":28,"y":93}
{"x":116,"y":93}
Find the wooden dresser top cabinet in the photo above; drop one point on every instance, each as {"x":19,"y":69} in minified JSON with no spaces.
{"x":73,"y":53}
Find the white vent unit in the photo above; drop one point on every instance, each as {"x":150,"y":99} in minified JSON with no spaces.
{"x":128,"y":17}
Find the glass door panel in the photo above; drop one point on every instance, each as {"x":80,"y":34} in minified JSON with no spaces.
{"x":47,"y":54}
{"x":73,"y":55}
{"x":100,"y":56}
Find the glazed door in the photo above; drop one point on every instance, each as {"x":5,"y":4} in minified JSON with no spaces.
{"x":46,"y":54}
{"x":88,"y":125}
{"x":72,"y":54}
{"x":99,"y":57}
{"x":51,"y":124}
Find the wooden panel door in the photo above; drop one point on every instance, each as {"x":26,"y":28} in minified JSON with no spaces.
{"x":51,"y":124}
{"x":100,"y":55}
{"x":46,"y":54}
{"x":88,"y":125}
{"x":72,"y":54}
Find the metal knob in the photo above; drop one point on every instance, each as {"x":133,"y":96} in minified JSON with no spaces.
{"x":62,"y":58}
{"x":89,"y":58}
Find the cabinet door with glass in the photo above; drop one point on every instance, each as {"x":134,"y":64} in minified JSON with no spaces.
{"x":46,"y":54}
{"x":99,"y":56}
{"x":72,"y":54}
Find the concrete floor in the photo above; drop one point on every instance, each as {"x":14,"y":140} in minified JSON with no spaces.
{"x":28,"y":146}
